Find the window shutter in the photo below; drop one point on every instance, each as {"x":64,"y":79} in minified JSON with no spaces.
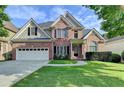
{"x":54,"y":50}
{"x":68,"y":50}
{"x":55,"y":33}
{"x":28,"y":31}
{"x":35,"y":30}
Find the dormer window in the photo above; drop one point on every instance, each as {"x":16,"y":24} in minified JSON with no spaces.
{"x":76,"y":34}
{"x":32,"y":31}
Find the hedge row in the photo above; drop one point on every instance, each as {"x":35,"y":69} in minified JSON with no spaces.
{"x":100,"y":56}
{"x":103,"y":56}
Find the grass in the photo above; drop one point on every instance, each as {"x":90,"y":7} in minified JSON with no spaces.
{"x":96,"y":74}
{"x":62,"y":62}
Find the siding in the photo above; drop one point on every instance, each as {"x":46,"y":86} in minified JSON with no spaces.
{"x":115,"y":46}
{"x":24,"y":35}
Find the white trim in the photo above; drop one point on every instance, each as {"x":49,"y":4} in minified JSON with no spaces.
{"x":25,"y":26}
{"x":63,"y":18}
{"x":93,"y":30}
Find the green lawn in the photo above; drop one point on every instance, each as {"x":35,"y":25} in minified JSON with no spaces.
{"x":93,"y":74}
{"x":62,"y":62}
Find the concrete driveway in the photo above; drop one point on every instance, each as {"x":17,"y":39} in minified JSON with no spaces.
{"x":12,"y":71}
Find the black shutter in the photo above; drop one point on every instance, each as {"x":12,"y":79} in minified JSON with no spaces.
{"x":68,"y":50}
{"x":55,"y":33}
{"x":35,"y":30}
{"x":54,"y":50}
{"x":28,"y":31}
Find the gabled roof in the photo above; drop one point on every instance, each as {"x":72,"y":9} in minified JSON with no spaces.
{"x":24,"y":27}
{"x":91,"y":31}
{"x":63,"y":18}
{"x":8,"y":25}
{"x":46,"y":24}
{"x":67,"y":14}
{"x":86,"y":31}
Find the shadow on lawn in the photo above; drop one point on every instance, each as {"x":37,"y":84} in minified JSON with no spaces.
{"x":88,"y":75}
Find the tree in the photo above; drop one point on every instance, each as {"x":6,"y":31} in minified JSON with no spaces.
{"x":3,"y":17}
{"x":113,"y":18}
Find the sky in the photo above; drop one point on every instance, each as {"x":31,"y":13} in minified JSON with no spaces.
{"x":19,"y":15}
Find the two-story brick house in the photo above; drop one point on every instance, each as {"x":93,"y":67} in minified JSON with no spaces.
{"x":63,"y":37}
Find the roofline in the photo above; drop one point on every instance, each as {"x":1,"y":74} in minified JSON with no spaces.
{"x":61,"y":16}
{"x":10,"y":30}
{"x":107,"y":41}
{"x":23,"y":27}
{"x":85,"y":37}
{"x":23,"y":41}
{"x":74,"y":18}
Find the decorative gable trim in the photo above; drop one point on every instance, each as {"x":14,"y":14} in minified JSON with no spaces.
{"x":73,"y":18}
{"x":61,"y":18}
{"x":96,"y":32}
{"x":26,"y":25}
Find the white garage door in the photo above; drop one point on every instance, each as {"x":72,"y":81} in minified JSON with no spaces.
{"x":32,"y":54}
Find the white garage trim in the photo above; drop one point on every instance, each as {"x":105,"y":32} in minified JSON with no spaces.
{"x":32,"y":54}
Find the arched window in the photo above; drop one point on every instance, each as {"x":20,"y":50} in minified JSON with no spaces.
{"x":93,"y":46}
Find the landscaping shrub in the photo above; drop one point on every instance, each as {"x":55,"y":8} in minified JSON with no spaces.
{"x":122,"y":55}
{"x":116,"y":58}
{"x":100,"y":56}
{"x":8,"y":56}
{"x":61,"y":57}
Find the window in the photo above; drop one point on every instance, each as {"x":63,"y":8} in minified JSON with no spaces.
{"x":60,"y":33}
{"x":27,"y":49}
{"x":32,"y":31}
{"x":93,"y":46}
{"x":61,"y":50}
{"x":38,"y":49}
{"x":46,"y":49}
{"x":42,"y":49}
{"x":31,"y":49}
{"x":75,"y":34}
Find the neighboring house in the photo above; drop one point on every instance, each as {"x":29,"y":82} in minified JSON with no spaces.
{"x":116,"y":45}
{"x":5,"y":46}
{"x":60,"y":38}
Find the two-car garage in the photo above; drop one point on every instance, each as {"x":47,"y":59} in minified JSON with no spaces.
{"x":32,"y":51}
{"x":32,"y":54}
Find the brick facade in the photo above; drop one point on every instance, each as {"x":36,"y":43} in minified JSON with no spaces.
{"x":92,"y":37}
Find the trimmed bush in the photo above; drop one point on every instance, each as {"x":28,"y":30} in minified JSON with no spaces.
{"x":116,"y":58}
{"x":8,"y":56}
{"x":61,"y":57}
{"x":100,"y":56}
{"x":122,"y":55}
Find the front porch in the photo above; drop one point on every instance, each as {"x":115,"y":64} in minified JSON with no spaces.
{"x":73,"y":49}
{"x":76,"y":49}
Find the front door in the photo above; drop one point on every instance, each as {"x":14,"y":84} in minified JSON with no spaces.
{"x":76,"y":49}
